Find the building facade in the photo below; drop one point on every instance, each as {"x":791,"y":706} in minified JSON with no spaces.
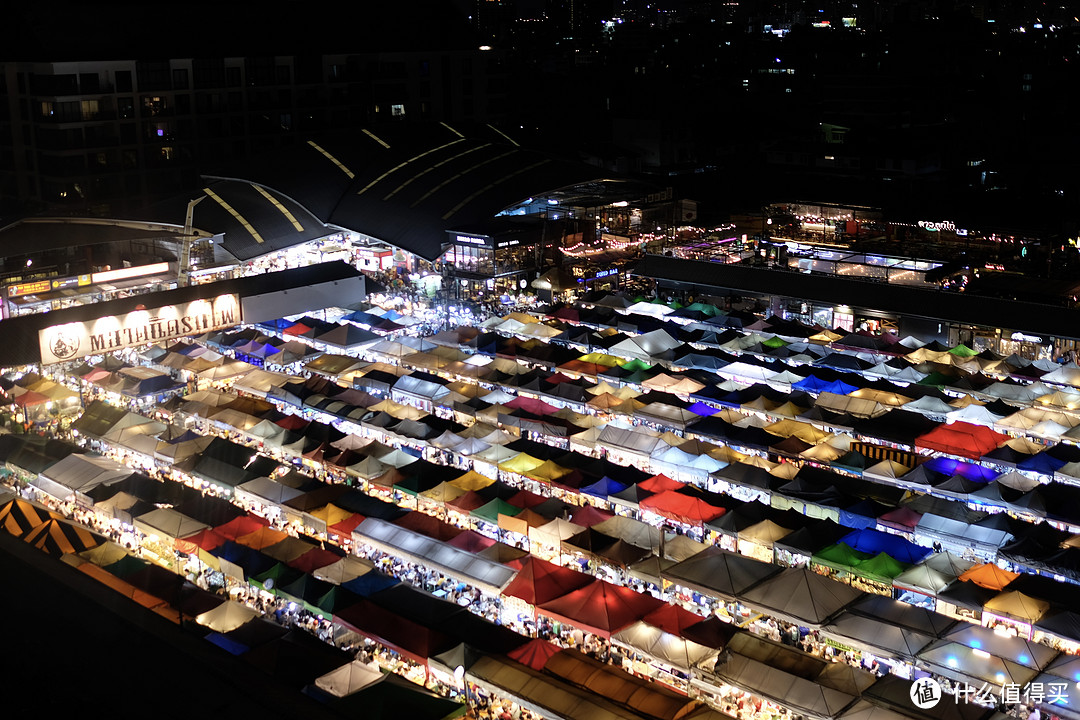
{"x":106,"y":135}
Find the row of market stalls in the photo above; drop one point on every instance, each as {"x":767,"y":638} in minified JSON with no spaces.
{"x":514,"y":469}
{"x":678,"y":572}
{"x":871,"y":571}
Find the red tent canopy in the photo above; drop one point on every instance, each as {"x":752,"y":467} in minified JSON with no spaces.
{"x":292,"y":422}
{"x":346,"y":526}
{"x":471,"y":541}
{"x":409,"y":638}
{"x":297,"y":329}
{"x":567,"y":313}
{"x":206,"y":539}
{"x":540,"y":581}
{"x":659,"y":483}
{"x":902,"y":518}
{"x":672,"y":619}
{"x":682,"y":508}
{"x":243,"y":525}
{"x":532,"y":405}
{"x":534,"y":653}
{"x":589,"y":515}
{"x":525,"y":499}
{"x":314,"y":559}
{"x":31,"y":398}
{"x":428,"y":525}
{"x":601,"y":608}
{"x":961,"y":438}
{"x":467,"y":502}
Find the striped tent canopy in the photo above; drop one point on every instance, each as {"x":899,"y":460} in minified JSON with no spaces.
{"x":57,"y":537}
{"x":19,"y":517}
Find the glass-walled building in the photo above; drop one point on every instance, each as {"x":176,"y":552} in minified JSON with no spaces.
{"x":502,"y":258}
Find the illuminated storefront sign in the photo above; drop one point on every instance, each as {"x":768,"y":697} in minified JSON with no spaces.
{"x":131,"y":272}
{"x":471,"y":240}
{"x":946,"y":225}
{"x":67,"y":282}
{"x":29,"y":288}
{"x":79,"y":339}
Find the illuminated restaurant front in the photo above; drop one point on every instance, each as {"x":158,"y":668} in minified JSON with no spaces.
{"x":38,"y":295}
{"x":499,"y":261}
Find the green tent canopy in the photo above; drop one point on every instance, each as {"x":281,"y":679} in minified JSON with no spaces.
{"x":492,"y":510}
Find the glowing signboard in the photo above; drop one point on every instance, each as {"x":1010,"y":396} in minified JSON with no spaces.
{"x":165,"y":324}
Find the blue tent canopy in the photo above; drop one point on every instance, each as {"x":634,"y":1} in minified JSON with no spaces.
{"x":604,"y":487}
{"x":814,"y":384}
{"x":971,"y":471}
{"x":863,"y":514}
{"x":700,"y":408}
{"x":875,"y":541}
{"x":1042,"y":463}
{"x":369,"y":583}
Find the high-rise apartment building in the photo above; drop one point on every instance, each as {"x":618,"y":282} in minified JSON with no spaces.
{"x":103,"y":135}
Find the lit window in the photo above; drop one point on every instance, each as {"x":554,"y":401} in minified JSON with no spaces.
{"x":397,"y":110}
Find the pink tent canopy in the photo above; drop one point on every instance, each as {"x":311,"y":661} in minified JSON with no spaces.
{"x":532,"y":405}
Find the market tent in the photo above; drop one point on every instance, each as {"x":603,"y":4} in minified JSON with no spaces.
{"x":923,"y":579}
{"x":535,"y":653}
{"x":801,"y":596}
{"x":350,"y":678}
{"x":961,"y":438}
{"x":58,"y":537}
{"x":344,"y":569}
{"x":226,"y":617}
{"x":960,"y":536}
{"x":629,"y":530}
{"x":901,"y":614}
{"x":989,"y":575}
{"x":433,"y":553}
{"x":664,"y":646}
{"x":875,"y":541}
{"x":1060,"y":623}
{"x":168,"y":523}
{"x":1017,"y":605}
{"x":682,"y":508}
{"x":77,"y":474}
{"x":18,"y":517}
{"x":600,"y":607}
{"x":717,"y":572}
{"x":638,"y":694}
{"x":264,"y":491}
{"x":879,"y":637}
{"x":542,"y":694}
{"x":800,"y":683}
{"x":554,"y":532}
{"x":840,"y":557}
{"x":962,"y":663}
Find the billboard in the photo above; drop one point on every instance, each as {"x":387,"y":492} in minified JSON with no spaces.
{"x":116,"y":332}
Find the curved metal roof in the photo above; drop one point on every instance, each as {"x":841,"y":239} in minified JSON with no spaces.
{"x":254,"y":220}
{"x":408,"y":185}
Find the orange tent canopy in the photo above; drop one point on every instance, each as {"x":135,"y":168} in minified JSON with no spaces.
{"x":989,"y":575}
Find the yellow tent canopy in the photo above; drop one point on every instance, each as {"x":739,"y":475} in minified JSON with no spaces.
{"x":804,"y":431}
{"x":520,"y":464}
{"x":472,"y":481}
